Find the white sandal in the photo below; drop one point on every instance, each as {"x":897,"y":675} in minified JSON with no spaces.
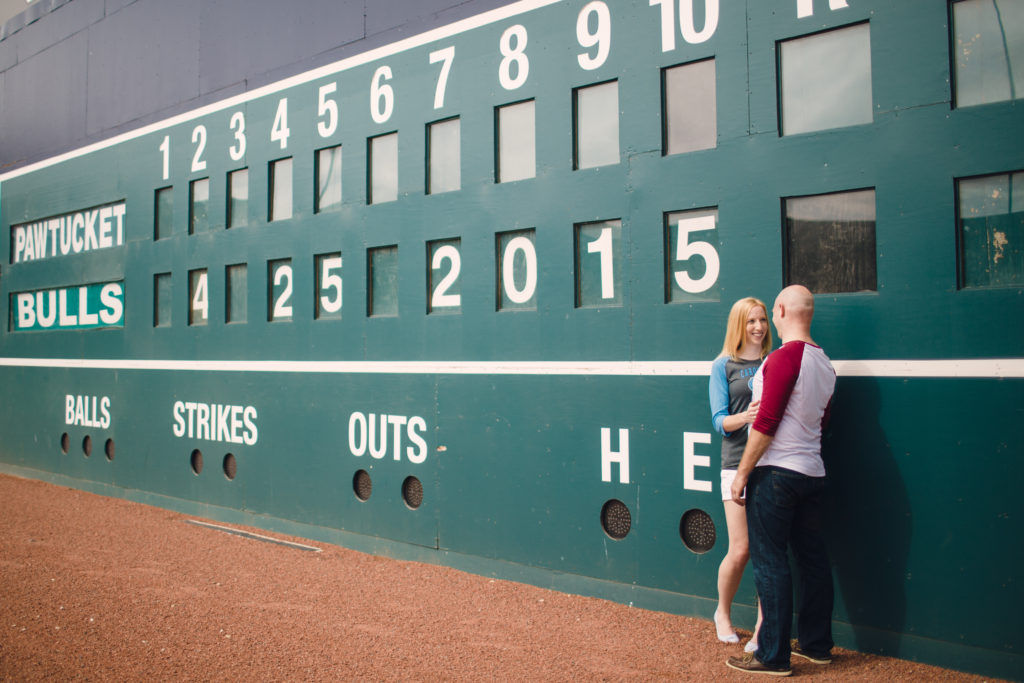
{"x":731,"y":638}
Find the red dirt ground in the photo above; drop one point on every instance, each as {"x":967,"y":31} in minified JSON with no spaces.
{"x":103,"y":589}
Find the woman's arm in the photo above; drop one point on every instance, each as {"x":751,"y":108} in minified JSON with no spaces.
{"x":718,"y":394}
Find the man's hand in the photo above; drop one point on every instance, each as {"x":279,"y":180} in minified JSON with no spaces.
{"x":739,"y":483}
{"x":757,"y":444}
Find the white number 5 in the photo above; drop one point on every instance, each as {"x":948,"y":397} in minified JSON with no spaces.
{"x":685,"y":250}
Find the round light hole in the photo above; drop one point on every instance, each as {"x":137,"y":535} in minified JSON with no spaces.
{"x":615,"y":519}
{"x":412,"y":492}
{"x":362,"y":485}
{"x":697,"y":530}
{"x":230,"y":466}
{"x":196,"y":461}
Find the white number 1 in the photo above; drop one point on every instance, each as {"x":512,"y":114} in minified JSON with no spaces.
{"x":603,"y":246}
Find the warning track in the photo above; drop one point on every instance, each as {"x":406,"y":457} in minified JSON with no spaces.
{"x":103,"y":589}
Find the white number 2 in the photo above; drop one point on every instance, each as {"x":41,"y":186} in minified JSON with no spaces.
{"x":199,"y":138}
{"x":441,"y":297}
{"x":282,"y":305}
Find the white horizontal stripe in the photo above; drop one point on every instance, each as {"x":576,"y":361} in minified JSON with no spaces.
{"x":984,"y":367}
{"x":419,"y":40}
{"x":957,"y":367}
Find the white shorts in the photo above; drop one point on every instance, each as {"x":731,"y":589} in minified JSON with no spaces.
{"x":727,"y":477}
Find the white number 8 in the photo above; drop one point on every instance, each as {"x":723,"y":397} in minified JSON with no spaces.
{"x":517,"y":55}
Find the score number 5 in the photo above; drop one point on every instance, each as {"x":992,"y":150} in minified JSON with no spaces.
{"x":687,"y":250}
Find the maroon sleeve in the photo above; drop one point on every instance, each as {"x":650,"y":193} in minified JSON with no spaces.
{"x":781,"y":370}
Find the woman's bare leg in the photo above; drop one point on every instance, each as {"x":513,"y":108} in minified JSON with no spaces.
{"x":731,"y":570}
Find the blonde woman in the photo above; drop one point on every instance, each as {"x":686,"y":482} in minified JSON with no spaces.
{"x":748,"y":339}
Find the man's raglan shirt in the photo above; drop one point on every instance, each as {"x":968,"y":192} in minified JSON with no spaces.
{"x":795,"y":385}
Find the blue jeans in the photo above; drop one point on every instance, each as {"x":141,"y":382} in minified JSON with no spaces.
{"x":785,"y":509}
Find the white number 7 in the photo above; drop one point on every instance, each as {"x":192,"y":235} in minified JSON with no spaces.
{"x":686,"y":249}
{"x":446,"y":56}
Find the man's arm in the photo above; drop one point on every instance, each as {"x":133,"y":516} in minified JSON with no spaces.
{"x":757,"y":444}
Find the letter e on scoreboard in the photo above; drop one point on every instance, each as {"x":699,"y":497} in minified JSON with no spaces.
{"x":692,"y":460}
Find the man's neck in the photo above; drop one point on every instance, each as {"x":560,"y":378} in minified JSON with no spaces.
{"x":797,"y":335}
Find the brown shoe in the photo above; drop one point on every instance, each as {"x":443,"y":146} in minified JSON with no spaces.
{"x":794,"y":648}
{"x":751,"y":665}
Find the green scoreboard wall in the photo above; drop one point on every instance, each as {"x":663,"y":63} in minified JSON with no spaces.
{"x":456,"y":299}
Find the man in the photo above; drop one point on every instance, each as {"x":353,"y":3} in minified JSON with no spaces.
{"x":784,"y":478}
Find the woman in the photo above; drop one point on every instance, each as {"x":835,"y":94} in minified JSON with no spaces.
{"x":748,"y":339}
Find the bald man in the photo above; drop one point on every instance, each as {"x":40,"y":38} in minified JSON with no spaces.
{"x":784,"y":478}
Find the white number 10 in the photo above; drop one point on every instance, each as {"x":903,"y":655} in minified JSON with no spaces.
{"x":689,"y":31}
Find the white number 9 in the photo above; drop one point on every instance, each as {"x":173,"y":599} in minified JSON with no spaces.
{"x":602,"y":37}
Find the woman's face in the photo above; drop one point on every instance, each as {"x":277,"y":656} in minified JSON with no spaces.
{"x":757,"y":326}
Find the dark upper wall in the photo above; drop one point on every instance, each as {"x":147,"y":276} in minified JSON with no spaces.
{"x":73,"y":72}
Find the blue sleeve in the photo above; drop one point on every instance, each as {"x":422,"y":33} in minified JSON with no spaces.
{"x":718,"y":393}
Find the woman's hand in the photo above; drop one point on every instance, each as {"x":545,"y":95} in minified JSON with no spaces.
{"x":739,"y":420}
{"x":750,"y":414}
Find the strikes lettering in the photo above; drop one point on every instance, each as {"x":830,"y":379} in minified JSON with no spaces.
{"x":215,"y":422}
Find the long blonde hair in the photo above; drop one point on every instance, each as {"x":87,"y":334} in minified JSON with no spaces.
{"x":736,"y":328}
